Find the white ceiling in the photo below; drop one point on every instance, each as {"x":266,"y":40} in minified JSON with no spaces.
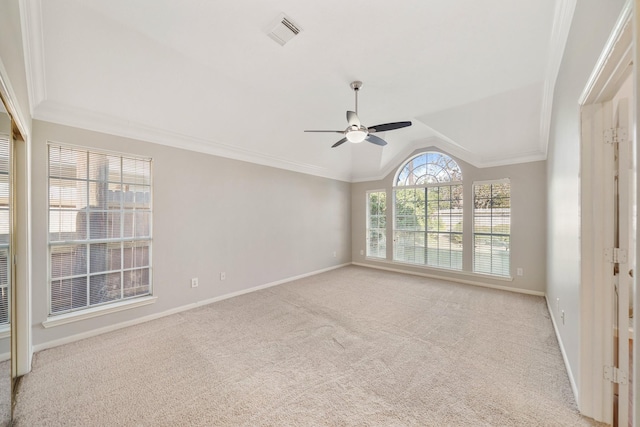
{"x":475,"y":77}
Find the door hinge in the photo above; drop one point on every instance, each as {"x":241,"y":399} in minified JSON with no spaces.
{"x":614,"y":135}
{"x":615,"y":255}
{"x":615,"y":375}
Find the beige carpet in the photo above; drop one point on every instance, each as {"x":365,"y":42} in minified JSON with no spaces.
{"x":351,"y":347}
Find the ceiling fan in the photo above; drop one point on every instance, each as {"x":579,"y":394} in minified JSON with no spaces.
{"x":356,"y":132}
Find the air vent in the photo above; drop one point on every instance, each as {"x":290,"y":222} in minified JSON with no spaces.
{"x":284,"y":30}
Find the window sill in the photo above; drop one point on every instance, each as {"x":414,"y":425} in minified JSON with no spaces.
{"x":89,"y":313}
{"x":442,"y":270}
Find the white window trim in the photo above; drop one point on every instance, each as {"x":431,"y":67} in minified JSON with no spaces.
{"x":111,"y":307}
{"x":366,"y":253}
{"x":88,"y":313}
{"x":473,"y":227}
{"x":396,"y":187}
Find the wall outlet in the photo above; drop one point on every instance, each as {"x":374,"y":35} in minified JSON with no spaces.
{"x":519,"y":271}
{"x":335,"y":254}
{"x":562,"y":316}
{"x":361,"y":251}
{"x":223,"y":275}
{"x":194,"y":282}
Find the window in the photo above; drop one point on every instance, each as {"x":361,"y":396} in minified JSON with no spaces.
{"x":491,"y":227}
{"x":377,"y":224}
{"x":99,"y":228}
{"x":5,"y":229}
{"x":428,"y":212}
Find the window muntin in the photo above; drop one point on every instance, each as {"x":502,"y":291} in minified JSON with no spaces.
{"x":428,"y":212}
{"x":428,"y":168}
{"x":377,"y":224}
{"x":492,"y":228}
{"x":99,"y":228}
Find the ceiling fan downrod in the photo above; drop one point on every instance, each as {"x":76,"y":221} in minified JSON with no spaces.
{"x":356,"y":85}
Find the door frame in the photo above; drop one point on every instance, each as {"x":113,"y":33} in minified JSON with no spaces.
{"x":21,"y":338}
{"x":616,"y":63}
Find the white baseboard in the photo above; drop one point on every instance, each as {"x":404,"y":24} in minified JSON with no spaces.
{"x":453,"y":279}
{"x":567,"y":366}
{"x":94,"y":332}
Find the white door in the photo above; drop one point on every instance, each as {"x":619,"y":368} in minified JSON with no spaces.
{"x":624,"y":239}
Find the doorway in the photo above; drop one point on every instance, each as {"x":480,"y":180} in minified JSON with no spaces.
{"x":608,"y":230}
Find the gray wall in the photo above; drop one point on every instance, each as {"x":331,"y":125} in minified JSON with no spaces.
{"x":256,"y":223}
{"x":592,"y":23}
{"x":528,"y":224}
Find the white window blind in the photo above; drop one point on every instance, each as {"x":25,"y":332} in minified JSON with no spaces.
{"x":5,"y":228}
{"x":492,"y":228}
{"x":377,"y":224}
{"x":428,"y":212}
{"x":100,"y":217}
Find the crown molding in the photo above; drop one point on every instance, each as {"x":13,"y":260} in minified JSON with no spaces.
{"x":33,"y":46}
{"x":69,"y":116}
{"x":614,"y":58}
{"x":453,"y":150}
{"x":559,"y":34}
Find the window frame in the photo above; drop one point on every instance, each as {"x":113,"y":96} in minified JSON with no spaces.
{"x":367,"y":224}
{"x":123,"y":302}
{"x":425,"y":186}
{"x":9,"y":247}
{"x":491,"y":234}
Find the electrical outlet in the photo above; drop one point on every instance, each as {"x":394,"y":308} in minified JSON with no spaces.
{"x":562,"y":316}
{"x":520,"y":271}
{"x":361,"y":251}
{"x":194,"y":282}
{"x":223,"y":275}
{"x":335,"y":254}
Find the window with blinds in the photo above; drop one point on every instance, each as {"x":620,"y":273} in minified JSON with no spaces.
{"x":492,"y":227}
{"x":428,"y":209}
{"x":100,"y":213}
{"x":5,"y":228}
{"x":377,"y":224}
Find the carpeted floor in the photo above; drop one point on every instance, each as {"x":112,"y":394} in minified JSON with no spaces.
{"x":351,"y":347}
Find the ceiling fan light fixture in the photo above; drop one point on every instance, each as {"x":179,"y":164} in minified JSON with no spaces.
{"x":356,"y":136}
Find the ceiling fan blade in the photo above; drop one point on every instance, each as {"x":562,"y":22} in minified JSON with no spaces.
{"x":376,"y":140}
{"x":342,"y":141}
{"x":329,"y":131}
{"x":353,"y":119}
{"x":389,"y":126}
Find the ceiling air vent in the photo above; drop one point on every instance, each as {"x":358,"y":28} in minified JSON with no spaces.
{"x":284,"y":30}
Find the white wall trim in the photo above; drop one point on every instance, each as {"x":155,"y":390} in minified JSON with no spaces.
{"x":559,"y":34}
{"x":567,"y":365}
{"x":92,"y":312}
{"x":591,"y":91}
{"x":65,"y":115}
{"x":110,"y":328}
{"x":33,"y":46}
{"x":455,"y":279}
{"x":452,"y":150}
{"x":9,"y":96}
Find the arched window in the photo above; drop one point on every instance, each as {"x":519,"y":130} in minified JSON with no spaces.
{"x":427,"y":220}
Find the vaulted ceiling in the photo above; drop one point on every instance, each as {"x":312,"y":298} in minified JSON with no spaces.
{"x":475,"y":77}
